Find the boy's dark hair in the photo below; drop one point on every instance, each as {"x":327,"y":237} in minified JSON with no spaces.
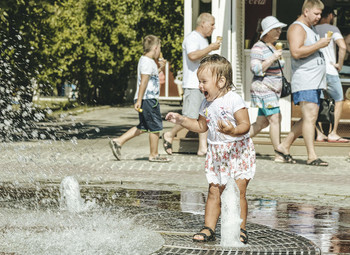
{"x":219,"y":66}
{"x":326,"y":11}
{"x":149,"y":41}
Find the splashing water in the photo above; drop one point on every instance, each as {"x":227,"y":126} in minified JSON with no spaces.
{"x":70,"y":196}
{"x":230,"y":216}
{"x":78,"y":228}
{"x":64,"y":233}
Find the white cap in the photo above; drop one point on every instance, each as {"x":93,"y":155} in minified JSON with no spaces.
{"x":269,"y":23}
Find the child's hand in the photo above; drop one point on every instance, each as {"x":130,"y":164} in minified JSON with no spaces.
{"x":162,"y":63}
{"x":226,"y":127}
{"x":174,"y":118}
{"x":137,"y":106}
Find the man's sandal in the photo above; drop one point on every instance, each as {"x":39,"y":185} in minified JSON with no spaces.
{"x":245,"y":236}
{"x":317,"y":162}
{"x":206,"y":238}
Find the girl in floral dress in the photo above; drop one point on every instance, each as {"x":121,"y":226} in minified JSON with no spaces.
{"x":231,"y":151}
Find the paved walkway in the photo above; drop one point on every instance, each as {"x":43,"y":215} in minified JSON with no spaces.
{"x":80,"y":147}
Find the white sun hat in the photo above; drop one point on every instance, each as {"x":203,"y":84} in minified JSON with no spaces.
{"x":269,"y":23}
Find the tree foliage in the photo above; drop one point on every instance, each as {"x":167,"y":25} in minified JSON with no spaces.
{"x":20,"y":68}
{"x":94,"y":44}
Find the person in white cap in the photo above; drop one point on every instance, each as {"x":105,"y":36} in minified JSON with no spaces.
{"x":267,"y":83}
{"x":308,"y":77}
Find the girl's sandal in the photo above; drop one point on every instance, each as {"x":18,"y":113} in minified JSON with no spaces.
{"x":245,"y":236}
{"x":206,"y":238}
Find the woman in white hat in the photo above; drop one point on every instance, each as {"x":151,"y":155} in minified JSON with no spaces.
{"x":267,"y":83}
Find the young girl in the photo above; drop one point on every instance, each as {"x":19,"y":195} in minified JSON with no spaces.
{"x":231,"y":152}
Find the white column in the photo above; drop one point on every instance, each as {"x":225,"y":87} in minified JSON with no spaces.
{"x":187,"y":17}
{"x":234,"y":40}
{"x":222,"y":17}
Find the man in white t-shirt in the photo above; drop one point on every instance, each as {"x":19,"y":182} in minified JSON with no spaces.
{"x":333,"y":66}
{"x":194,"y":47}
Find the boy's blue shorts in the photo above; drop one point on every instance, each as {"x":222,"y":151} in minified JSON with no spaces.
{"x":150,"y":118}
{"x":312,"y":96}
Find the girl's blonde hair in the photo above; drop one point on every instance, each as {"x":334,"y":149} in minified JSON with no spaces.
{"x":219,"y":66}
{"x":149,"y":41}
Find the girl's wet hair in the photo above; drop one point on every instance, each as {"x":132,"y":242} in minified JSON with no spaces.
{"x":219,"y":66}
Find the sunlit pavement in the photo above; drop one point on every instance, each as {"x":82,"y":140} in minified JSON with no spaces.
{"x":84,"y":153}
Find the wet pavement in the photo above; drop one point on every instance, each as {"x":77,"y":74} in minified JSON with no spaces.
{"x":175,"y":216}
{"x":294,"y":197}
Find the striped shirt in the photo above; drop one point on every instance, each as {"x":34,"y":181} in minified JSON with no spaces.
{"x":266,"y":86}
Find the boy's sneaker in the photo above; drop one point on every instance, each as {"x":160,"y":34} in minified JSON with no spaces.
{"x":116,"y":147}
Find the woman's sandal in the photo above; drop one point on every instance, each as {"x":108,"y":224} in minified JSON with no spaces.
{"x":206,"y":238}
{"x":286,"y":157}
{"x":245,"y":236}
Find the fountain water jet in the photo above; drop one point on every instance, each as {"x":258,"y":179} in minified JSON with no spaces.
{"x":230,"y":216}
{"x":70,"y":196}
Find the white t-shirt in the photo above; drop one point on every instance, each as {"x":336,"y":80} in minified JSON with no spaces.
{"x":329,"y":52}
{"x":222,"y":108}
{"x":193,"y":41}
{"x":148,"y":66}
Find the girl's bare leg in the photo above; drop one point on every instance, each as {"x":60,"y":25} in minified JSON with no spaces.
{"x":242,"y":185}
{"x":212,"y":209}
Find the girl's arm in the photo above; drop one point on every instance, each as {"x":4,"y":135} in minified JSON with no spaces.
{"x":243,"y":124}
{"x":198,"y":126}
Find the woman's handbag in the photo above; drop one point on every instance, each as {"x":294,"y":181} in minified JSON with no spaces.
{"x":326,"y":110}
{"x":286,"y":86}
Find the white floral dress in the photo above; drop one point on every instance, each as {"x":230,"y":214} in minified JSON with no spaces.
{"x":227,"y":157}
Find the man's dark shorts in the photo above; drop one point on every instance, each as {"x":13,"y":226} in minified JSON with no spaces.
{"x":150,"y":118}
